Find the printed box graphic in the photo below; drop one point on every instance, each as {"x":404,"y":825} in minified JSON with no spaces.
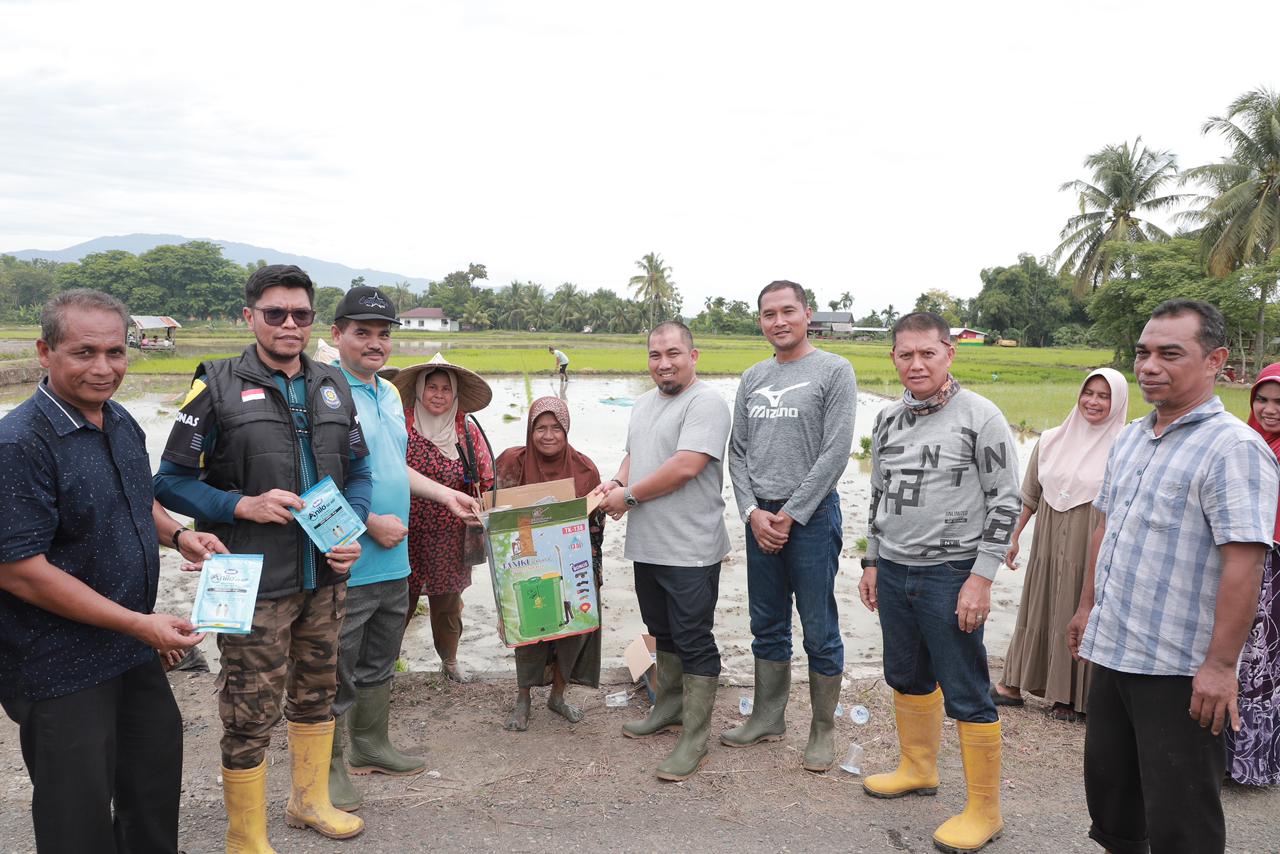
{"x":540,"y":562}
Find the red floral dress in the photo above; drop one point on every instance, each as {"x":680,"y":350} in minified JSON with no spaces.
{"x":436,"y":536}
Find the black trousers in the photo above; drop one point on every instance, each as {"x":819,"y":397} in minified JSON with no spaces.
{"x":118,"y":742}
{"x":678,"y":606}
{"x":1152,"y":775}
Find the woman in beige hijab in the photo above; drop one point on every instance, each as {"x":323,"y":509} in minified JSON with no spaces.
{"x":1063,"y":477}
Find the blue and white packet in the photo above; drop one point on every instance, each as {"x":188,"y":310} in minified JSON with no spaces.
{"x":327,"y":517}
{"x":227,"y":593}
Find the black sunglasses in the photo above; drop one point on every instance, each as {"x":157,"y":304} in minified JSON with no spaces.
{"x":276,"y":316}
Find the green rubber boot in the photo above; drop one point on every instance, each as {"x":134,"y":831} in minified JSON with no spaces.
{"x":768,"y":721}
{"x":342,"y":794}
{"x":668,"y":700}
{"x":371,"y":748}
{"x":691,"y":750}
{"x":824,"y":694}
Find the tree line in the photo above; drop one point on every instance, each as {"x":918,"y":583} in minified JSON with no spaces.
{"x":193,"y":281}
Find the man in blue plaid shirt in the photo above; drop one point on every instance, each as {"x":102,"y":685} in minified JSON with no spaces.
{"x":1189,"y":504}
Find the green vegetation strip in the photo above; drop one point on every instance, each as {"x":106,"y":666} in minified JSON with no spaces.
{"x":1035,"y":388}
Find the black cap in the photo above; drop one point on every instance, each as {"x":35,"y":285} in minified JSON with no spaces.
{"x":366,"y":303}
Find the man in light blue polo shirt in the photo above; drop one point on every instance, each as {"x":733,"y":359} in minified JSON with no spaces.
{"x":378,"y":590}
{"x":1188,"y":504}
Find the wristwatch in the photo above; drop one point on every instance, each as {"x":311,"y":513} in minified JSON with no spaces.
{"x":630,"y":499}
{"x":746,"y":514}
{"x":868,"y":562}
{"x":174,"y":540}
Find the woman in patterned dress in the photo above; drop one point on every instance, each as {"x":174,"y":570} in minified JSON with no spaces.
{"x":1253,"y":753}
{"x":449,"y":448}
{"x":547,"y":455}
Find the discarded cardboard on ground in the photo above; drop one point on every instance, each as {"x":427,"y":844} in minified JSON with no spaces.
{"x":539,"y":549}
{"x":640,"y":655}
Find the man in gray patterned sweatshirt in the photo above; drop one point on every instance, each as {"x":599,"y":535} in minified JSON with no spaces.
{"x":792,"y":428}
{"x":944,"y":502}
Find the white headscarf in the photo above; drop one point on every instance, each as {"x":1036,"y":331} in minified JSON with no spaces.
{"x":1073,"y":455}
{"x":439,"y":430}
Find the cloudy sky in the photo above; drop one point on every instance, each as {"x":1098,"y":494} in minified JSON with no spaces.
{"x":880,"y":150}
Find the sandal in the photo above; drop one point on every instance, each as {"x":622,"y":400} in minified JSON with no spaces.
{"x":1063,"y":712}
{"x":1001,"y":700}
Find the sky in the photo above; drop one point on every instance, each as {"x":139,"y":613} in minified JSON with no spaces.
{"x":881,"y":149}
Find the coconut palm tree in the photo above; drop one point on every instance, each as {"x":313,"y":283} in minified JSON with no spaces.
{"x":595,"y":311}
{"x":511,"y":301}
{"x":534,"y":306}
{"x":1241,"y":215}
{"x":566,"y":308}
{"x":653,"y":287}
{"x":1127,"y":181}
{"x":475,"y":314}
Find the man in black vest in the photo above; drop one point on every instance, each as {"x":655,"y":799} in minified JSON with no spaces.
{"x":255,"y":432}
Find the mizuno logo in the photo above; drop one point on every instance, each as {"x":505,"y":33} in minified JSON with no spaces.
{"x":775,"y":397}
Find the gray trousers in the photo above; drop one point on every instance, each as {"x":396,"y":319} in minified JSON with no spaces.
{"x":371,"y":636}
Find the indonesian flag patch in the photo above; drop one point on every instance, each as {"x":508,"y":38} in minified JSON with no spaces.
{"x":252,"y":394}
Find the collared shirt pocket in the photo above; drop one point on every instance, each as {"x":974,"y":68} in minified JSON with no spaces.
{"x":1167,"y":506}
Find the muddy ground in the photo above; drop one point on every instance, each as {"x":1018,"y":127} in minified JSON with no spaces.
{"x":584,"y":787}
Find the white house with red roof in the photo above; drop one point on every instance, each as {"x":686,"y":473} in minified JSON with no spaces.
{"x":427,"y":320}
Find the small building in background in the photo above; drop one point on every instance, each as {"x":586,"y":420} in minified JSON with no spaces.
{"x":427,"y":320}
{"x":963,"y":336}
{"x":831,"y":324}
{"x":152,"y":332}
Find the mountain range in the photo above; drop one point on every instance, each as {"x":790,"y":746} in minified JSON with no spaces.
{"x":322,"y":272}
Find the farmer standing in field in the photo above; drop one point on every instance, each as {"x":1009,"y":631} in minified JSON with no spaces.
{"x":562,"y":363}
{"x":792,"y":430}
{"x":944,"y":502}
{"x":255,"y":432}
{"x":671,"y":482}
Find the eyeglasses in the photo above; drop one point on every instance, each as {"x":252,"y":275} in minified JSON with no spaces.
{"x":276,"y":316}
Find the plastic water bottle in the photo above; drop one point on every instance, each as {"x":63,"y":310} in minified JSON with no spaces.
{"x":617,"y":700}
{"x":745,"y":705}
{"x":859,"y":715}
{"x":839,"y":710}
{"x":853,"y":760}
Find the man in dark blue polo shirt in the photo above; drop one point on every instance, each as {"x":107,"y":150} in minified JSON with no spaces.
{"x":79,"y":565}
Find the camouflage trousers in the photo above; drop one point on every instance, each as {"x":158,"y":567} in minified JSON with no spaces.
{"x":291,"y":654}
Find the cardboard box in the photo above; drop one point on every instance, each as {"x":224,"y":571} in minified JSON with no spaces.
{"x":539,"y":550}
{"x":640,"y":655}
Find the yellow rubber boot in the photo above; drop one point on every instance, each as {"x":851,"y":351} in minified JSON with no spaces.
{"x":310,"y":746}
{"x":980,"y":822}
{"x":245,"y":794}
{"x":919,"y":720}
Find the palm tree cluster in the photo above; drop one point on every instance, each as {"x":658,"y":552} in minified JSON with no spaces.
{"x":1235,"y":217}
{"x":522,"y":306}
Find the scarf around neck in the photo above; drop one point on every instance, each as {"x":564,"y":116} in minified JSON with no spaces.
{"x":933,"y":402}
{"x":440,"y":430}
{"x":525,"y":464}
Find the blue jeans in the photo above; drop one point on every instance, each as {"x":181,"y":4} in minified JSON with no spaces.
{"x":923,"y":643}
{"x":806,"y":567}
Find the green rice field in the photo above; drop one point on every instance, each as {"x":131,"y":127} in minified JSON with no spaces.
{"x":1035,"y":388}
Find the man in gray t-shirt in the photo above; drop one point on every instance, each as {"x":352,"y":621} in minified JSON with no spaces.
{"x":792,"y":429}
{"x":670,"y":483}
